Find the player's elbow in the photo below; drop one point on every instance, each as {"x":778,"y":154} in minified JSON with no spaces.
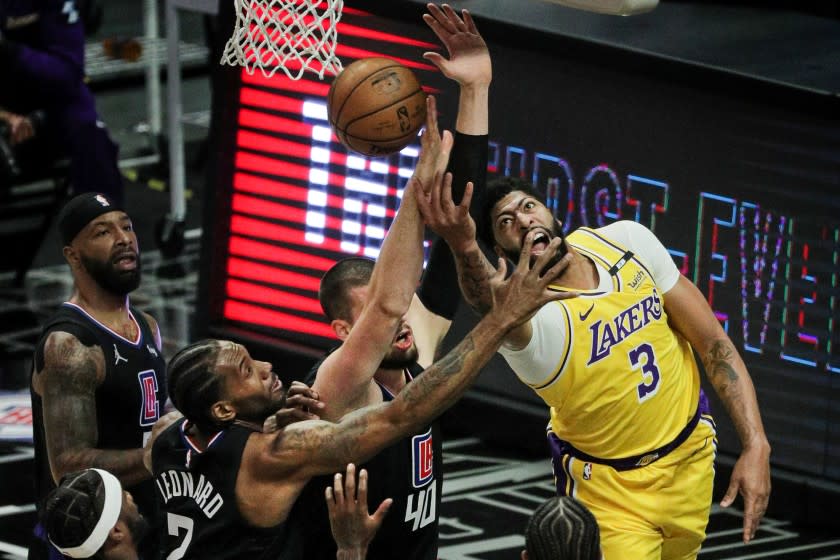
{"x":392,"y":309}
{"x":64,"y":463}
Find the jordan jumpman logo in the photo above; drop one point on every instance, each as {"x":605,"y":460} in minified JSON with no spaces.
{"x":117,"y":356}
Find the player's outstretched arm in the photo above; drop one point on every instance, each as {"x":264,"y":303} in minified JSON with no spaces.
{"x":343,"y":380}
{"x":454,"y":224}
{"x":468,"y":64}
{"x":67,"y":385}
{"x":284,"y":461}
{"x":323,"y":448}
{"x":691,"y":315}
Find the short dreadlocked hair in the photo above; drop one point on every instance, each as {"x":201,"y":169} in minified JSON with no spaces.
{"x":497,"y":189}
{"x":562,"y":528}
{"x":337,"y":282}
{"x":193,"y":384}
{"x":73,"y":509}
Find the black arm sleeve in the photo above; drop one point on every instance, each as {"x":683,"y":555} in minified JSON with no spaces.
{"x":439,"y":287}
{"x":468,"y":162}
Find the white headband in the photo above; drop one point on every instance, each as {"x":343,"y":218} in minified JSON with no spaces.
{"x":110,"y":514}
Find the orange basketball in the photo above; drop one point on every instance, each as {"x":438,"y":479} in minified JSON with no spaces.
{"x":376,"y":106}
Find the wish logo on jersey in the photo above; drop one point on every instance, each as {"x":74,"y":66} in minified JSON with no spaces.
{"x":422,"y":459}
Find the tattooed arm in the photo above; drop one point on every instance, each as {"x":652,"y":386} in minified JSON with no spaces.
{"x":285,"y":461}
{"x":67,"y":385}
{"x":690,"y":314}
{"x":344,"y":378}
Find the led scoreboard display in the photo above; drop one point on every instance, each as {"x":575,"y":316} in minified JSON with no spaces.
{"x":742,"y":190}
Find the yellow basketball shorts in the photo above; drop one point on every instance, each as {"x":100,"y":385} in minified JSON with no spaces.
{"x":655,"y":512}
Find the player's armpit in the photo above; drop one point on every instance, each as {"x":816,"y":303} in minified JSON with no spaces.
{"x":428,"y":329}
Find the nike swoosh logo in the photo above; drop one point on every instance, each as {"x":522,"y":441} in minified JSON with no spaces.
{"x":583,"y":316}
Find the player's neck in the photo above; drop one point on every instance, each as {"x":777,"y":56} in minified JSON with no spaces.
{"x":109,"y":309}
{"x":198,"y":437}
{"x":391,"y":379}
{"x":581,"y":274}
{"x":97,"y":300}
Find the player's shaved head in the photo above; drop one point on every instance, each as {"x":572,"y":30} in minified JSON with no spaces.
{"x":337,"y":282}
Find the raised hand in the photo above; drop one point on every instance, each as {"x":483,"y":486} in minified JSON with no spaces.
{"x":450,"y":221}
{"x":519,"y":297}
{"x":301,"y":401}
{"x":352,"y":527}
{"x":434,"y":149}
{"x":469,"y":60}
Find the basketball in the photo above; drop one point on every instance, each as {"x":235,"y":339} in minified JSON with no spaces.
{"x":376,"y":106}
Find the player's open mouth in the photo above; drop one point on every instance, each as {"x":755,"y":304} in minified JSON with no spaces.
{"x":404,"y":340}
{"x":126,"y":260}
{"x":541,"y":241}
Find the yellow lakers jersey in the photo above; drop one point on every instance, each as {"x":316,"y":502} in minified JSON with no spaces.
{"x":627,"y":383}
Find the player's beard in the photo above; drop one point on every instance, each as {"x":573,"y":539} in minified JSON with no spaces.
{"x":399,"y":359}
{"x":112,"y":280}
{"x":138,"y":527}
{"x":556,"y":231}
{"x":256,"y":409}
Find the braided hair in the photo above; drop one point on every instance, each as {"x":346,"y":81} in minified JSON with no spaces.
{"x":193,"y":384}
{"x":74,"y":508}
{"x":562,"y":528}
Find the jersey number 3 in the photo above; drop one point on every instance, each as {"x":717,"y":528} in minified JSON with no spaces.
{"x":642,"y":357}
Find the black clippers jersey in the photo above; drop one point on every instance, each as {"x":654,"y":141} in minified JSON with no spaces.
{"x":411,"y":472}
{"x":128,"y":402}
{"x":198,"y":497}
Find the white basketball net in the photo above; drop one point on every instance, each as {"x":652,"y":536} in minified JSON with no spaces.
{"x":295,"y":35}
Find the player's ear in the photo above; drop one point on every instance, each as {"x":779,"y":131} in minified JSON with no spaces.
{"x":223,"y":411}
{"x":71,"y":256}
{"x":524,"y":554}
{"x":341,"y":328}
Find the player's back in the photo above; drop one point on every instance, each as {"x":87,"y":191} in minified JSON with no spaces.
{"x":198,"y":492}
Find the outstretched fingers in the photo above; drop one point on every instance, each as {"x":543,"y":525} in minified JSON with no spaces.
{"x":469,"y":21}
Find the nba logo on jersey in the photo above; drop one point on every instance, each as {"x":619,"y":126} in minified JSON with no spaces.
{"x":422,"y":459}
{"x":149,"y":411}
{"x":587,"y":471}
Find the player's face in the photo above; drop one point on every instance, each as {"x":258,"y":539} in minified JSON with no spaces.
{"x":134,"y":520}
{"x":109,"y":253}
{"x":519,"y":213}
{"x":403,"y":350}
{"x":250,"y":385}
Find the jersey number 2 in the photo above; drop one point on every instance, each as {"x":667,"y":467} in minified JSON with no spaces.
{"x":174,"y":524}
{"x":642,"y":357}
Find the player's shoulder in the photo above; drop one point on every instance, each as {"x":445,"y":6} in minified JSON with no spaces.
{"x":68,"y":359}
{"x":623,"y":230}
{"x":68,"y":347}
